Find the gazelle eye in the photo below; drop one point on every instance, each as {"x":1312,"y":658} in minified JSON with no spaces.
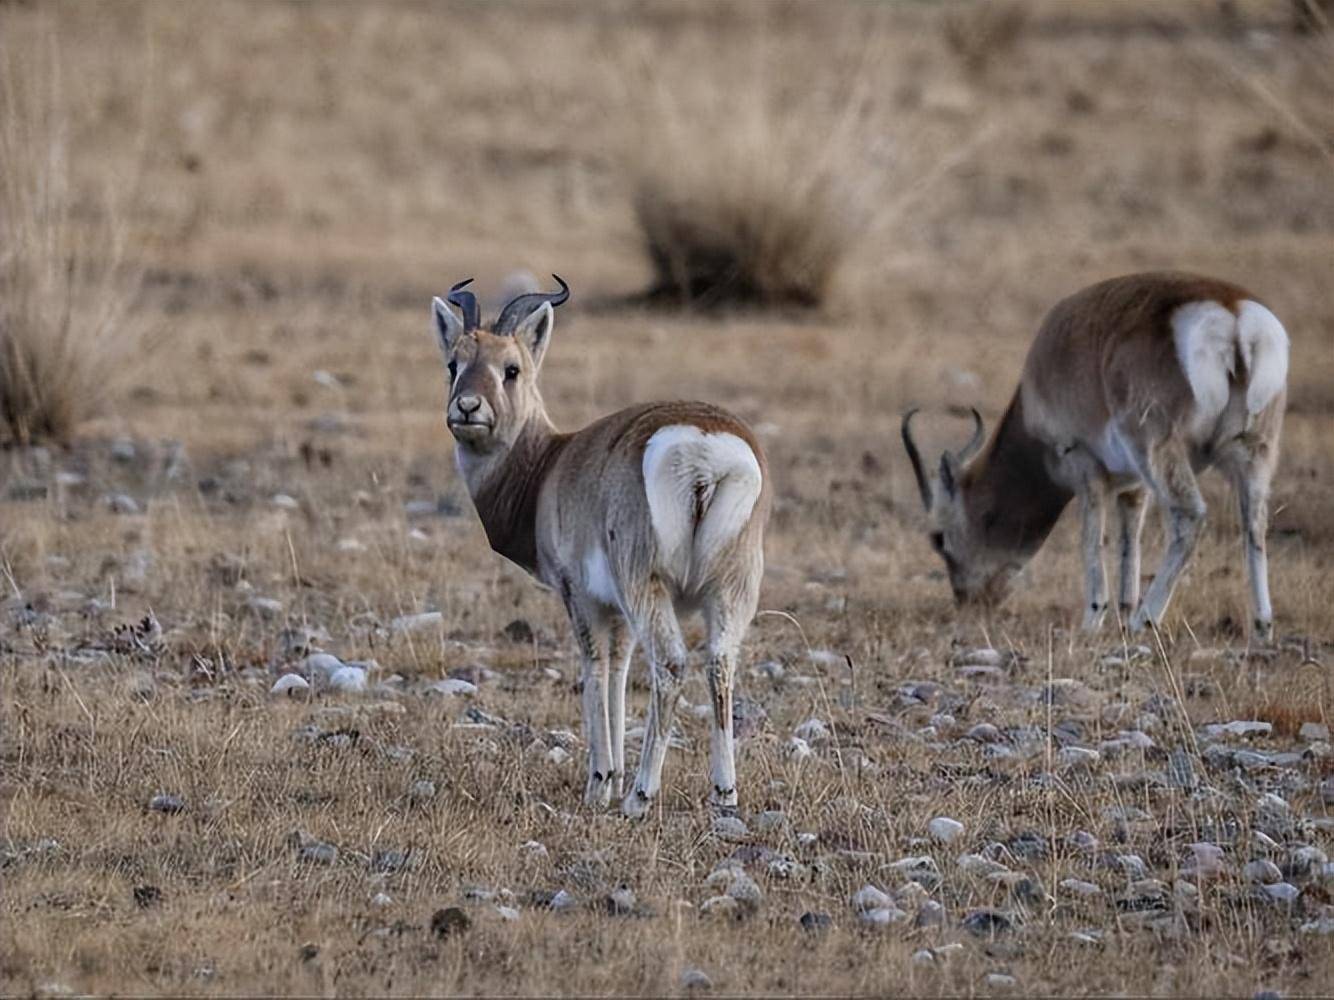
{"x":511,"y":372}
{"x":453,"y":370}
{"x":938,"y":541}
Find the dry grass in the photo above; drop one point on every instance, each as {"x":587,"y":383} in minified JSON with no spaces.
{"x":64,"y":330}
{"x":318,"y":171}
{"x":984,"y":30}
{"x":758,"y":199}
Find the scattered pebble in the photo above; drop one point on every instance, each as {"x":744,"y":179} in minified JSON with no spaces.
{"x":165,"y":802}
{"x":417,"y":623}
{"x":451,"y":687}
{"x":944,"y":829}
{"x":348,"y":680}
{"x":290,"y":685}
{"x":814,"y":922}
{"x":449,"y":922}
{"x":695,"y":979}
{"x":1262,"y":871}
{"x":729,"y":828}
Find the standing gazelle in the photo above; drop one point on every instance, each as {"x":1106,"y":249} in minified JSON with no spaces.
{"x":653,"y":510}
{"x":1133,"y":383}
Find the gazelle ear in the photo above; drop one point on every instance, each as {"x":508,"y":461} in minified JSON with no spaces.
{"x":949,"y":474}
{"x":535,"y":331}
{"x":448,"y":327}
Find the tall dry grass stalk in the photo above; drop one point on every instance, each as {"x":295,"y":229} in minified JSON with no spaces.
{"x":65,"y":337}
{"x":755,"y":194}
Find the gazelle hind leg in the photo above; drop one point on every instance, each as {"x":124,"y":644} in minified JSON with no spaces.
{"x":1130,"y":508}
{"x":620,"y":653}
{"x":654,"y":621}
{"x":727,"y":616}
{"x":1250,"y":480}
{"x":1174,"y":484}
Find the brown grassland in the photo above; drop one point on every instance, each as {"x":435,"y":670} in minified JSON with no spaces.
{"x":293,"y":182}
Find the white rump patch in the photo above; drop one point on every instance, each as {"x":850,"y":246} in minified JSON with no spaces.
{"x":701,"y":490}
{"x":1264,"y":349}
{"x":598,"y":580}
{"x":1206,"y":341}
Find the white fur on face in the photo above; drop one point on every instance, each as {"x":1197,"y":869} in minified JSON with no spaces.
{"x":687,"y":471}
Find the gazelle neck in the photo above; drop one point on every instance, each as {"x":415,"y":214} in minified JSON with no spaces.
{"x":1010,"y":494}
{"x":505,"y":487}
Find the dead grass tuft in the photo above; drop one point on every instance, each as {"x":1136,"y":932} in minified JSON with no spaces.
{"x":979,"y":32}
{"x":63,"y":308}
{"x":757,"y":197}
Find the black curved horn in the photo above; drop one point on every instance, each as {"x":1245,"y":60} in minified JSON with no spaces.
{"x":521,"y":307}
{"x":975,"y":442}
{"x":915,"y":457}
{"x":472,"y":315}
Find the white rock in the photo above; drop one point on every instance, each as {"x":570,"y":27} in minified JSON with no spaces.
{"x":1314,"y":732}
{"x":418,"y":623}
{"x":744,"y":890}
{"x":348,"y":680}
{"x":1282,"y":892}
{"x":1078,"y":757}
{"x":563,"y":901}
{"x":923,"y":956}
{"x":720,"y":906}
{"x":868,"y":897}
{"x":979,"y":866}
{"x":285,"y":501}
{"x":1000,"y":981}
{"x":558,"y":756}
{"x":944,"y":829}
{"x":320,"y":667}
{"x":729,"y":828}
{"x":533,"y":849}
{"x":1239,"y":728}
{"x":695,"y":979}
{"x":382,"y":899}
{"x":812,"y":730}
{"x":453,"y":687}
{"x":265,"y":607}
{"x":290,"y":685}
{"x":882,"y":916}
{"x":798,"y":749}
{"x":1262,"y":871}
{"x":507,"y":913}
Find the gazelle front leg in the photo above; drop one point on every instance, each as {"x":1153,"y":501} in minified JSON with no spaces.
{"x":660,"y":635}
{"x":591,"y":636}
{"x":1130,"y":507}
{"x":1093,"y":501}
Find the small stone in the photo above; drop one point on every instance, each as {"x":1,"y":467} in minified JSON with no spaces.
{"x":534,"y":850}
{"x":1082,"y":841}
{"x":449,"y":922}
{"x":518,"y":631}
{"x":770,"y":820}
{"x":165,"y":802}
{"x":121,"y":503}
{"x":123,"y":450}
{"x":813,"y":922}
{"x":284,"y":501}
{"x":729,"y":828}
{"x":381,"y":900}
{"x":507,"y":913}
{"x":983,"y":732}
{"x":388,"y":861}
{"x":812,"y":731}
{"x":558,"y":756}
{"x":987,"y":922}
{"x":720,"y":907}
{"x":923,"y":956}
{"x":930,"y":914}
{"x":870,"y":898}
{"x":265,"y":607}
{"x":1078,"y":758}
{"x":1314,"y":732}
{"x":1323,"y":926}
{"x":621,"y":901}
{"x":1206,"y":860}
{"x":451,"y":687}
{"x":417,"y":623}
{"x":316,"y":852}
{"x":422,"y":790}
{"x":978,"y":866}
{"x":319,"y":667}
{"x":1262,"y":872}
{"x":882,"y":916}
{"x":563,"y":902}
{"x":1240,"y":728}
{"x":944,"y":829}
{"x":984,"y":657}
{"x":1283,"y":893}
{"x":746,"y":892}
{"x":146,"y":896}
{"x":695,"y":979}
{"x":348,"y":680}
{"x":1079,"y":887}
{"x":798,"y":749}
{"x":1000,"y":981}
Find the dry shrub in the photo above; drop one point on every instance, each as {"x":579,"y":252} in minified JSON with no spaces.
{"x":753,"y":193}
{"x":63,"y":308}
{"x":979,"y":32}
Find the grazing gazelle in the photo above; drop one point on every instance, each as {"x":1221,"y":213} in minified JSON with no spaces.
{"x":654,"y":510}
{"x":1134,"y":383}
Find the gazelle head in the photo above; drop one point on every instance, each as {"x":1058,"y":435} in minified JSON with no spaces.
{"x":980,"y":572}
{"x":493,"y":370}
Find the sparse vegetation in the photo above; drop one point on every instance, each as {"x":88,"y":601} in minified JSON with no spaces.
{"x":280,"y":475}
{"x":980,"y":31}
{"x":64,"y":335}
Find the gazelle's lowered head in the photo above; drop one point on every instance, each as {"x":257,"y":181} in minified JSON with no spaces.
{"x":1131,"y":386}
